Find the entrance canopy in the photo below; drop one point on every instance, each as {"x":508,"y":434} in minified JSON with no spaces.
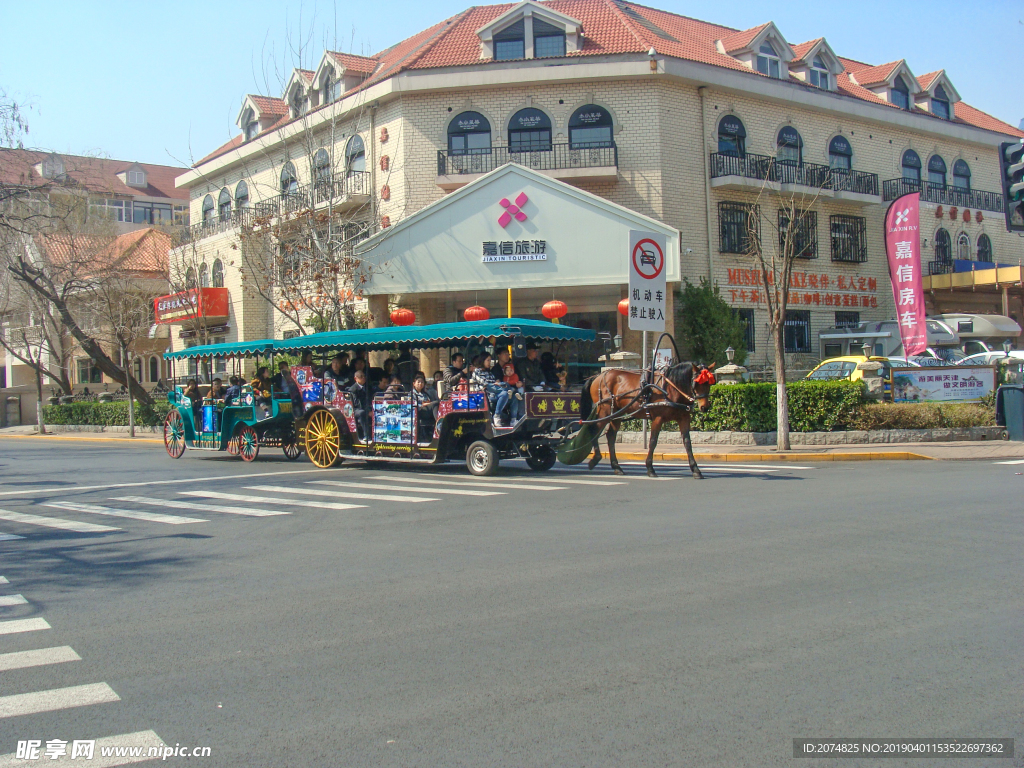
{"x":512,"y":228}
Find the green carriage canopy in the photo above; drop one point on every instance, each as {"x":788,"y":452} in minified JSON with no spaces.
{"x":503,"y":330}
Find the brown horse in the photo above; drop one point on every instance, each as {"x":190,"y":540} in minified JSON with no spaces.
{"x":671,"y":396}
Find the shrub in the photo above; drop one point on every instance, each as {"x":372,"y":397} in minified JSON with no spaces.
{"x":924,"y":416}
{"x":105,"y":414}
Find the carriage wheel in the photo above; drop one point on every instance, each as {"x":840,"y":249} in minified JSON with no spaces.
{"x":248,"y":443}
{"x":481,"y":458}
{"x":233,"y":445}
{"x":323,"y":439}
{"x":541,"y":460}
{"x":174,"y":434}
{"x":292,"y":449}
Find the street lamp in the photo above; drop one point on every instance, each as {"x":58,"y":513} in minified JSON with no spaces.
{"x":1007,"y":346}
{"x":730,"y":354}
{"x":617,"y":341}
{"x":866,"y":350}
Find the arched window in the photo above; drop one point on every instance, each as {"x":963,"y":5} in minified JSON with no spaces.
{"x":943,"y":247}
{"x":590,"y":126}
{"x":768,"y":61}
{"x":963,"y":247}
{"x":819,"y":73}
{"x":154,"y":370}
{"x":911,"y":166}
{"x":242,"y":196}
{"x":224,"y":205}
{"x":204,"y":276}
{"x":322,"y":168}
{"x":937,"y":171}
{"x":469,"y":133}
{"x":529,"y":130}
{"x":900,"y":93}
{"x":961,"y":175}
{"x":190,"y":278}
{"x":208,"y":209}
{"x":940,"y":104}
{"x":984,"y":248}
{"x":840,"y":154}
{"x":289,"y":181}
{"x":355,"y":156}
{"x":732,"y":136}
{"x":789,"y":146}
{"x":218,"y":273}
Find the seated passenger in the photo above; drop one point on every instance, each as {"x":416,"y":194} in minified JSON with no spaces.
{"x":217,"y":391}
{"x":261,"y":387}
{"x":497,"y":394}
{"x":285,"y":383}
{"x":191,"y":391}
{"x":512,"y":380}
{"x":554,"y":373}
{"x":337,"y":371}
{"x":361,"y":404}
{"x":455,"y":374}
{"x":233,"y":391}
{"x":307,"y":360}
{"x":394,"y":386}
{"x":426,"y":408}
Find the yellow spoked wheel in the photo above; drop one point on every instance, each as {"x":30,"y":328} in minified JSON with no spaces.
{"x":323,"y":439}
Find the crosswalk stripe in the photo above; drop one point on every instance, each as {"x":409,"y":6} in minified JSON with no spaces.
{"x":56,"y":698}
{"x":1014,"y":461}
{"x":9,"y":537}
{"x":265,"y":500}
{"x":578,"y":481}
{"x":384,"y":487}
{"x":179,"y":504}
{"x":153,"y":517}
{"x":12,"y":600}
{"x":37,"y":658}
{"x":335,"y":494}
{"x":519,"y":486}
{"x":22,"y":625}
{"x":54,"y":522}
{"x":143,"y":739}
{"x":3,"y":580}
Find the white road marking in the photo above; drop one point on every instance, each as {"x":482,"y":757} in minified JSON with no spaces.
{"x":710,"y":468}
{"x":179,"y":504}
{"x":145,"y":739}
{"x":153,"y":517}
{"x":1014,"y":461}
{"x":576,"y":481}
{"x":22,"y":625}
{"x":9,"y":537}
{"x":54,"y":522}
{"x":12,"y":600}
{"x":384,"y":487}
{"x":38,"y":658}
{"x":336,"y":494}
{"x":265,"y":500}
{"x":178,"y":481}
{"x":473,"y":483}
{"x":3,"y":580}
{"x":57,"y":698}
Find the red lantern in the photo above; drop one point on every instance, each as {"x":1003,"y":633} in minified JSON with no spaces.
{"x":554,"y":310}
{"x":402,"y":316}
{"x":952,"y":213}
{"x":938,"y":212}
{"x":978,"y":217}
{"x":476,"y":313}
{"x":624,"y":307}
{"x":967,"y":217}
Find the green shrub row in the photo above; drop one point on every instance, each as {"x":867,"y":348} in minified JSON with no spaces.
{"x":923,"y":416}
{"x":106,"y":414}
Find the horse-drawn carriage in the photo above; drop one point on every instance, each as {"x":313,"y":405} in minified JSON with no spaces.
{"x":460,"y":426}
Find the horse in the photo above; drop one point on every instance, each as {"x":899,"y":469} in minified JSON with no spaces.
{"x":664,"y":396}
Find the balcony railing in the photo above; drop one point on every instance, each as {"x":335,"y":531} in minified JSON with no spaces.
{"x":766,"y":168}
{"x":558,"y":157}
{"x":303,"y":198}
{"x":944,"y":195}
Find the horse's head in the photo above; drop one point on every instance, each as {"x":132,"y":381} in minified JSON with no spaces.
{"x":702,"y":384}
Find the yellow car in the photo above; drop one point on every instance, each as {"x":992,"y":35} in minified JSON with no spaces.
{"x":838,"y":368}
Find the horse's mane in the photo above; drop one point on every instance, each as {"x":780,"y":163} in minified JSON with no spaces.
{"x":681,"y":375}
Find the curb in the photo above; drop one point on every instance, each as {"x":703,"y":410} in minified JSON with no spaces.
{"x":739,"y":457}
{"x":158,"y":441}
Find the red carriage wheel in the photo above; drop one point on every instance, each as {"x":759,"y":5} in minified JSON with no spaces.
{"x":174,"y":434}
{"x":248,"y":443}
{"x":233,"y":446}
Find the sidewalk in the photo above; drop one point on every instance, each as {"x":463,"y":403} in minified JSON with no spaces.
{"x":952,"y":451}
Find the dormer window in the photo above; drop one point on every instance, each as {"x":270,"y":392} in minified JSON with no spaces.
{"x":900,"y":93}
{"x":510,"y":43}
{"x":768,"y":61}
{"x":137,"y":178}
{"x":53,"y":167}
{"x":940,"y":104}
{"x":298,"y":103}
{"x":548,"y":40}
{"x":819,"y":74}
{"x":251,"y":126}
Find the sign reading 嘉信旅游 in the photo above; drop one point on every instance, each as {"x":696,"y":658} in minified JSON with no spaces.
{"x":647,"y":286}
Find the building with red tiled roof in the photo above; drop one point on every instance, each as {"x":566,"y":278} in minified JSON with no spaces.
{"x":668,"y":116}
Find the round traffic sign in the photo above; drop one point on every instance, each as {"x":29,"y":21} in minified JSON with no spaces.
{"x":648,"y":260}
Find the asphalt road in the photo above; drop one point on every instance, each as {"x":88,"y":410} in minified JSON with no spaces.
{"x":553,"y":622}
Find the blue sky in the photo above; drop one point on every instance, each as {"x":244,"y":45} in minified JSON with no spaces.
{"x":162,"y":82}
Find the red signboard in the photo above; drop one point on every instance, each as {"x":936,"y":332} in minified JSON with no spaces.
{"x":903,"y":247}
{"x":194,"y":304}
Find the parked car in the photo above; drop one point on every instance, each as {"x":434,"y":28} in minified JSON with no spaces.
{"x":918,"y":361}
{"x":838,"y":368}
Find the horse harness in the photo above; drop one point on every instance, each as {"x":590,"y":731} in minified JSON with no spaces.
{"x":643,"y":395}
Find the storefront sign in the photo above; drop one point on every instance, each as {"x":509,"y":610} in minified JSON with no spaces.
{"x":197,"y":303}
{"x":947,"y":384}
{"x":903,"y":247}
{"x":647,"y":286}
{"x":807,"y":289}
{"x":514,"y":250}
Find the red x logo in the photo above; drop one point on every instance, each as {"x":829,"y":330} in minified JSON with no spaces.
{"x":512,"y":209}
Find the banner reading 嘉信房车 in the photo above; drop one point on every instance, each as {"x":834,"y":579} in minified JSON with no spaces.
{"x":903,"y":248}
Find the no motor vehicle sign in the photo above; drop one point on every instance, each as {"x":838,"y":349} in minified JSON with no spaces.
{"x":646,"y":281}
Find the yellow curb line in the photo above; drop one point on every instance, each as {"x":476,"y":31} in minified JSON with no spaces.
{"x":740,"y":457}
{"x":87,"y":439}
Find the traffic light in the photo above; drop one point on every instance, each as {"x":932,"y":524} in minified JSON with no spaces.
{"x":1011,"y":164}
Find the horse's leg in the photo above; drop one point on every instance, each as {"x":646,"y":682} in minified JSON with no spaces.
{"x":655,"y":431}
{"x":596,"y":458}
{"x":613,"y":432}
{"x":684,"y":430}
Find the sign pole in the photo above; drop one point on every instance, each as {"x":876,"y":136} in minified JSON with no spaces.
{"x":643,"y":364}
{"x":510,"y":302}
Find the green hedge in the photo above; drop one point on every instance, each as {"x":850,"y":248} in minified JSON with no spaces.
{"x":924,"y":416}
{"x":105,"y":414}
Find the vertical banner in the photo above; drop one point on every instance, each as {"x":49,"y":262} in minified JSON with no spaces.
{"x":647,"y":285}
{"x":903,"y":248}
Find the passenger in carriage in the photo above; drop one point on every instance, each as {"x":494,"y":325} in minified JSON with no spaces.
{"x":261,"y":387}
{"x":361,"y":402}
{"x":497,"y":394}
{"x":285,"y":383}
{"x":191,"y":391}
{"x":426,"y":407}
{"x":512,"y":380}
{"x":233,"y":391}
{"x":554,"y":373}
{"x":358,"y":364}
{"x":530,"y":372}
{"x":502,"y":359}
{"x":217,"y":391}
{"x":337,"y":371}
{"x":394,"y":386}
{"x":307,"y":360}
{"x":455,"y":374}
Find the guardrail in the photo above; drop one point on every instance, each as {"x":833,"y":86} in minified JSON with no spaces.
{"x":557,"y":157}
{"x":767,"y":168}
{"x":944,"y":195}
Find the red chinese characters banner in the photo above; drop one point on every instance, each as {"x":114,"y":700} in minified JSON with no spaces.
{"x":903,"y":247}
